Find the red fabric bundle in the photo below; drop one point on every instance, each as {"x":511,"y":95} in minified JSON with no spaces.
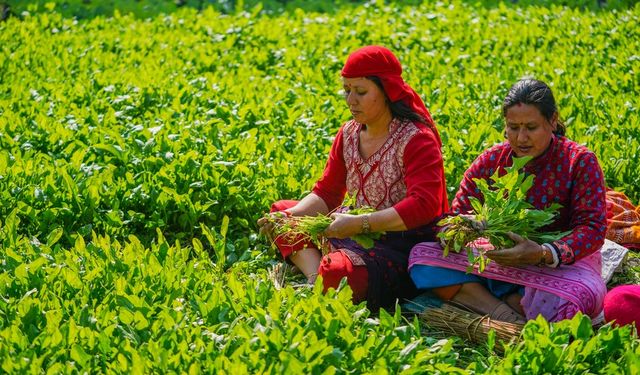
{"x":622,"y":304}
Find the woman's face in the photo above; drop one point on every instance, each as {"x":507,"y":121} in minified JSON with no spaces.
{"x":528,"y":131}
{"x":366,"y":100}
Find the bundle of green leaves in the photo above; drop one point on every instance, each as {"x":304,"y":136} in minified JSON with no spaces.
{"x":504,"y":209}
{"x":311,"y":228}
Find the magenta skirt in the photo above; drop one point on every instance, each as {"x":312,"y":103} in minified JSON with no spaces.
{"x":555,"y":293}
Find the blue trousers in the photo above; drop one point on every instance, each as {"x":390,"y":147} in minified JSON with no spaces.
{"x":429,"y":277}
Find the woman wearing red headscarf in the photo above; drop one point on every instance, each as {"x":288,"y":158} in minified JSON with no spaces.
{"x":388,"y":157}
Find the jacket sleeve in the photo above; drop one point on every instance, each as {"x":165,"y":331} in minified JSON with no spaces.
{"x":588,"y":220}
{"x":426,"y":197}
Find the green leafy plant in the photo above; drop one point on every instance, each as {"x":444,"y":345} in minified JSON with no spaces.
{"x":128,"y":137}
{"x":504,"y":209}
{"x":299,"y":229}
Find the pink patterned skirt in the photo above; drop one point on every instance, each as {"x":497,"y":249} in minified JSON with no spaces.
{"x":555,"y":293}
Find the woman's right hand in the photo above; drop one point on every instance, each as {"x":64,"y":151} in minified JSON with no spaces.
{"x":268,"y":223}
{"x":478,"y":225}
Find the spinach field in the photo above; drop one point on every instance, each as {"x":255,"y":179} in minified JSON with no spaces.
{"x":139,"y":147}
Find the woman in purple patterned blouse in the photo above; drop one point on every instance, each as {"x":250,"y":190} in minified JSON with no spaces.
{"x":553,"y":279}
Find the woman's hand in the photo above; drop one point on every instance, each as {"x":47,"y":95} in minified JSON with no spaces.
{"x":478,"y":225}
{"x":524,"y":252}
{"x":267,"y":224}
{"x":343,"y":226}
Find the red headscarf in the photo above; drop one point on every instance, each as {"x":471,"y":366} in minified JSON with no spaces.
{"x":382,"y":63}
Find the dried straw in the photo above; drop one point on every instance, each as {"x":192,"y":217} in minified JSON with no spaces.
{"x":278,"y":274}
{"x":469,"y":325}
{"x":282,"y":274}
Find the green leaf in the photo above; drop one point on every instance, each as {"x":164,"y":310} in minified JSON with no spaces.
{"x":54,"y":236}
{"x":79,"y":355}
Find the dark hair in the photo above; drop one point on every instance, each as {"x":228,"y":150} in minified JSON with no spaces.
{"x":537,"y":93}
{"x":398,"y":108}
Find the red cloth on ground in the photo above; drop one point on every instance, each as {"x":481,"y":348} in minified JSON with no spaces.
{"x":568,"y":174}
{"x":335,"y":266}
{"x":623,"y":219}
{"x":622,"y":304}
{"x":382,"y":63}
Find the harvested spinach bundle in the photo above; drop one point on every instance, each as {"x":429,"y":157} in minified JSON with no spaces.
{"x":310,"y":228}
{"x":504,"y":210}
{"x":303,"y":228}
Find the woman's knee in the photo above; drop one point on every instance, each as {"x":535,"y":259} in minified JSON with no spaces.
{"x":337,"y":265}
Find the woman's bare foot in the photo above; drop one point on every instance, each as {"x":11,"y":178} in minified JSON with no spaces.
{"x":505,"y":313}
{"x":513,"y":300}
{"x":477,"y":298}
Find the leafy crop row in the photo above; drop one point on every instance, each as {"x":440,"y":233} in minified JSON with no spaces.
{"x":136,"y":155}
{"x":125,"y":126}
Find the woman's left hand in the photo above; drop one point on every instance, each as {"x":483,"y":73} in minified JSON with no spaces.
{"x":524,"y":252}
{"x":343,"y":226}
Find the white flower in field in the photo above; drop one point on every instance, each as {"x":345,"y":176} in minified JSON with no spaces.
{"x":168,"y":155}
{"x":110,"y":88}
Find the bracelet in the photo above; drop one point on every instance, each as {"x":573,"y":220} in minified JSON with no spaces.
{"x":543,"y":258}
{"x":554,"y":253}
{"x":366,"y":227}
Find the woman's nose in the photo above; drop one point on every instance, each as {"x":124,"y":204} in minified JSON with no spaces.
{"x":523,"y":135}
{"x":351,"y":98}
